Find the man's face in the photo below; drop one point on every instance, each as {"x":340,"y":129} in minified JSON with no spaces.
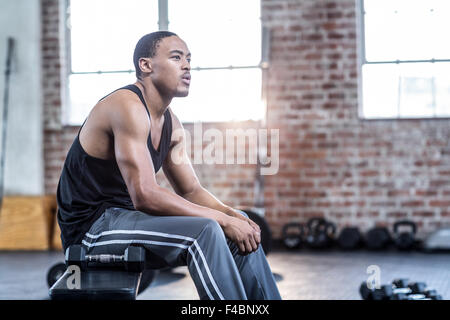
{"x":171,"y":67}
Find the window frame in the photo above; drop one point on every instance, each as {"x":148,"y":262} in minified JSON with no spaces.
{"x":362,"y":60}
{"x":163,"y":25}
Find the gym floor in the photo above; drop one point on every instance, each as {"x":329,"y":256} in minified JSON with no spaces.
{"x":300,"y":275}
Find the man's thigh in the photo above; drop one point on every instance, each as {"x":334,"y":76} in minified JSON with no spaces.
{"x":166,"y":238}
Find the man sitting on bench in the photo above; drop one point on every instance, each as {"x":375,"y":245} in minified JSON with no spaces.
{"x":108,"y":197}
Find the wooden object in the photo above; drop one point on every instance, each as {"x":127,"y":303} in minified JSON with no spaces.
{"x":23,"y":223}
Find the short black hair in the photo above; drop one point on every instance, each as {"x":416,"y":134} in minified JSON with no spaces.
{"x":146,"y":47}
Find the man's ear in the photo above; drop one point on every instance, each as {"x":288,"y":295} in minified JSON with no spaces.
{"x":145,"y":64}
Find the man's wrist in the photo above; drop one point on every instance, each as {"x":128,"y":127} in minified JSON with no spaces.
{"x":223,"y":220}
{"x":231,"y":212}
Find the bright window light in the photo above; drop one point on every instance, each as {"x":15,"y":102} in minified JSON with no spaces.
{"x":407,"y":60}
{"x":222,"y":95}
{"x":219,"y":34}
{"x":105,"y":32}
{"x":103,"y":35}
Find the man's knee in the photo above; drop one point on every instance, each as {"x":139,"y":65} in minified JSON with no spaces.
{"x":213,"y":229}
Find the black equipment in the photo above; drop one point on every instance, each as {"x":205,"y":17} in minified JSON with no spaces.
{"x":101,"y":276}
{"x":399,"y":290}
{"x":133,"y":258}
{"x":378,"y":238}
{"x":350,"y":238}
{"x":55,"y":272}
{"x":292,"y":235}
{"x":405,"y":240}
{"x":320,"y":233}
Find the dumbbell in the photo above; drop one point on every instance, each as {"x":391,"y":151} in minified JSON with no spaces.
{"x":401,"y":290}
{"x":400,"y":282}
{"x":420,"y":288}
{"x":384,"y":292}
{"x":432,"y":294}
{"x":133,"y":258}
{"x":388,"y":292}
{"x":292,"y":235}
{"x":398,"y":290}
{"x":349,"y":238}
{"x":413,"y":291}
{"x":417,"y":287}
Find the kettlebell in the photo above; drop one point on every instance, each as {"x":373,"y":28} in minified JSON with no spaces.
{"x":349,"y":238}
{"x":320,"y":233}
{"x":377,"y":238}
{"x":404,"y":240}
{"x":292,"y":235}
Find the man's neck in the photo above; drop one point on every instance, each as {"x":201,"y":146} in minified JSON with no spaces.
{"x":156,"y":103}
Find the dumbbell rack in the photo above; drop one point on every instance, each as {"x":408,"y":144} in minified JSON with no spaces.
{"x":399,"y":289}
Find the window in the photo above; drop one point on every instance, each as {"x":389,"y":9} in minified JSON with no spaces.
{"x":224,"y":38}
{"x":220,"y":34}
{"x":102,"y":37}
{"x":405,"y":59}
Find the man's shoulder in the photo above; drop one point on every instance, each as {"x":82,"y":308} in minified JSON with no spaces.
{"x":123,"y":110}
{"x":121,"y":100}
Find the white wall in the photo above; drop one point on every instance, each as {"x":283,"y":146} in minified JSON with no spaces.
{"x":20,"y":19}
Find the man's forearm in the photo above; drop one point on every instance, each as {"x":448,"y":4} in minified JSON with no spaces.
{"x":203,"y":197}
{"x":162,"y":201}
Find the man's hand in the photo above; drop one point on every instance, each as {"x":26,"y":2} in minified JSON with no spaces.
{"x":251,"y":222}
{"x":244,"y":232}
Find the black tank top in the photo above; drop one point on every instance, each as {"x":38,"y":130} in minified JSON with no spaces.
{"x":89,"y":185}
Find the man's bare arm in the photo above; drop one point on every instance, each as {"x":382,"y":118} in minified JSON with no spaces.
{"x":130,"y":127}
{"x":179,"y":172}
{"x":181,"y":175}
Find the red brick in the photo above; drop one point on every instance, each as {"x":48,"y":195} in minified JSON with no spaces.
{"x":414,"y":203}
{"x":440,"y":203}
{"x":423,"y":214}
{"x":426,"y":193}
{"x":397,"y":214}
{"x":397,"y":193}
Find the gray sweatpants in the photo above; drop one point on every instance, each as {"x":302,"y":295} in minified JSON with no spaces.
{"x":213,"y":260}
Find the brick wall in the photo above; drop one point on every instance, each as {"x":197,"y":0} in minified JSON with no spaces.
{"x":53,"y":82}
{"x":332,"y":164}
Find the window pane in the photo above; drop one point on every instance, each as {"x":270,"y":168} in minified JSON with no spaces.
{"x":442,"y":81}
{"x":380,"y":91}
{"x":416,"y":90}
{"x":410,"y":90}
{"x":406,"y":29}
{"x":104,"y":33}
{"x":87,"y":89}
{"x":221,"y":95}
{"x":218,"y":33}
